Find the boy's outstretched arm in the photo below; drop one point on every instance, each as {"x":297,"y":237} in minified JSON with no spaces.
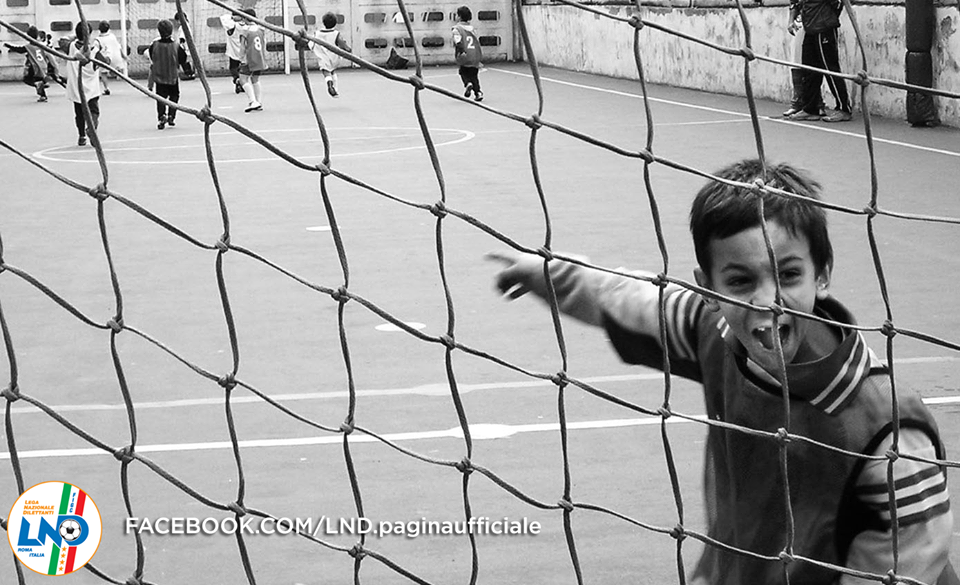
{"x":586,"y":294}
{"x":576,"y":287}
{"x":627,"y":308}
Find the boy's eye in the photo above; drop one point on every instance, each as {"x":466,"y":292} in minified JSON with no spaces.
{"x":737,"y":281}
{"x":790,"y":275}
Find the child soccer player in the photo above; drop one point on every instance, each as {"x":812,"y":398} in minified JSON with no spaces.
{"x":839,"y":390}
{"x":53,"y":68}
{"x":234,"y":48}
{"x":178,"y":19}
{"x":84,"y":77}
{"x":35,"y":67}
{"x":166,"y":56}
{"x":327,"y":59}
{"x":253,"y":62}
{"x":466,"y":50}
{"x":113,"y":51}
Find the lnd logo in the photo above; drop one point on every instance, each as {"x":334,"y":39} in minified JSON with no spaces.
{"x":54,"y":528}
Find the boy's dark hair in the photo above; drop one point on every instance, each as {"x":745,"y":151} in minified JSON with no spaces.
{"x":720,"y":210}
{"x":329,"y":20}
{"x":464,"y":14}
{"x":165,"y":28}
{"x":251,"y":11}
{"x":33,"y":32}
{"x":104,"y":26}
{"x":82,"y":30}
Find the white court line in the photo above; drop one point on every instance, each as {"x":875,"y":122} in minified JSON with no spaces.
{"x":439,"y":390}
{"x":477,"y":431}
{"x":424,"y":390}
{"x":732,"y":113}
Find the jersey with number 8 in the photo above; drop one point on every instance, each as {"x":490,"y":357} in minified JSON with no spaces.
{"x":253,"y":48}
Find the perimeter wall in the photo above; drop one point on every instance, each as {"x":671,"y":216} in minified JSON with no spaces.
{"x":571,"y":38}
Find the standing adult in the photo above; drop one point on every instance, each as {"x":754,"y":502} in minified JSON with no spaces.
{"x":821,"y":23}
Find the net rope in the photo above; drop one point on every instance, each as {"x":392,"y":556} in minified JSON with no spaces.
{"x":342,"y":294}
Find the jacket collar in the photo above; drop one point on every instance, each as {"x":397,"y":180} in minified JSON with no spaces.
{"x":829,"y":383}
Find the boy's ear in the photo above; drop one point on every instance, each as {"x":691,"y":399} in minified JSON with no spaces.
{"x":704,"y":282}
{"x":823,"y":283}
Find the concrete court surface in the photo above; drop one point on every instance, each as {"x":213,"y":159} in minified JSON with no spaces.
{"x":288,"y":340}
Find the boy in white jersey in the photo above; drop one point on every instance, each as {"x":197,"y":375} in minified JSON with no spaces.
{"x":83,"y":80}
{"x":113,"y":51}
{"x":234,"y":48}
{"x":327,"y":59}
{"x":730,"y":339}
{"x":254,"y":60}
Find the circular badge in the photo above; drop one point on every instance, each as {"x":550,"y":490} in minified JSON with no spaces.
{"x":54,"y":528}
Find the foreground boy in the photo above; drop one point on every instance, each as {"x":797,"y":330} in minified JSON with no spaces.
{"x":840,"y":392}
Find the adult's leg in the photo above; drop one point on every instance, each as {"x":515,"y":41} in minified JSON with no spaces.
{"x":811,"y":81}
{"x":830,"y":56}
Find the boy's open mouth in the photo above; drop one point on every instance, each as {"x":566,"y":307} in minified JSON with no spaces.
{"x":764,"y":335}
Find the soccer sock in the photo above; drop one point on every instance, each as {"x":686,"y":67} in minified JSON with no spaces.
{"x":248,"y":89}
{"x":256,"y":90}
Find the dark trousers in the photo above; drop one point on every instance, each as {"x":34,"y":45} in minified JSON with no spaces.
{"x":820,"y":51}
{"x":80,"y":121}
{"x":37,"y":82}
{"x":470,"y":75}
{"x":171,"y":91}
{"x":235,"y":70}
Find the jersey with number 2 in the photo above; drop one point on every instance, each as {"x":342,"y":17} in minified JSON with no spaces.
{"x":466,"y":46}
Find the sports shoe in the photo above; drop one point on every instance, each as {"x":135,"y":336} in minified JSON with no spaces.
{"x":161,"y":124}
{"x":838,"y":116}
{"x":82,"y":141}
{"x":253,"y":107}
{"x":791,"y":111}
{"x":468,"y":90}
{"x":42,"y":98}
{"x":802,"y":116}
{"x":331,"y":88}
{"x":106,"y":92}
{"x":478,"y":95}
{"x":170,"y":121}
{"x":237,"y":88}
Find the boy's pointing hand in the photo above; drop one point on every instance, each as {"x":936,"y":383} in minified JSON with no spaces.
{"x":522,"y":273}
